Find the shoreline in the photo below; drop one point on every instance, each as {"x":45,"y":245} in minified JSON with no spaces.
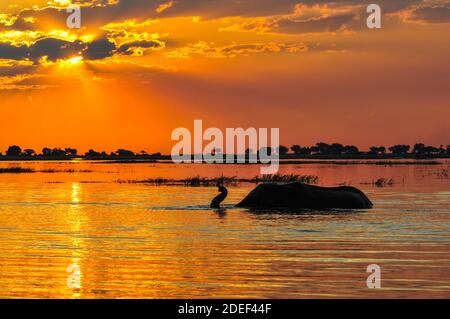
{"x":288,"y":159}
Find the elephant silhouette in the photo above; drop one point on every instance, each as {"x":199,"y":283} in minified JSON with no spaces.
{"x":298,"y":196}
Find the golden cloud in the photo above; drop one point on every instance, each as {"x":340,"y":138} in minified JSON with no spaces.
{"x":164,"y":6}
{"x":209,"y":50}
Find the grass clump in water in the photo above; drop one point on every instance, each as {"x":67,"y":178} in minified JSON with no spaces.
{"x":52,"y":171}
{"x":443,"y":174}
{"x":198,"y":181}
{"x":289,"y":178}
{"x":381,"y":182}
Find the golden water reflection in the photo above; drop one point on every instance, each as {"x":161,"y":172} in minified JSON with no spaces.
{"x":76,"y":219}
{"x":135,"y":240}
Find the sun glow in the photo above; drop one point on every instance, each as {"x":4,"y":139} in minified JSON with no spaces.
{"x":72,"y":61}
{"x":75,"y":60}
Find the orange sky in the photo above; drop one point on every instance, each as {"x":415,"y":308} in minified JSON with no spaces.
{"x":138,"y":69}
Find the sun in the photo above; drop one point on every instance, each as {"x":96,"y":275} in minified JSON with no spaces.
{"x":70,"y":62}
{"x":75,"y":60}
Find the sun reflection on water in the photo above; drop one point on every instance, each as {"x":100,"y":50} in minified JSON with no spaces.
{"x":75,"y":219}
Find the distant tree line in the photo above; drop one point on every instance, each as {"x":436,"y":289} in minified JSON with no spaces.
{"x":322,"y":149}
{"x":15,"y":151}
{"x":418,"y":149}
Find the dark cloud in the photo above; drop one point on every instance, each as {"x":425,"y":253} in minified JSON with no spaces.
{"x":210,"y":50}
{"x":11,"y":52}
{"x":204,"y":8}
{"x":220,"y":8}
{"x":100,"y":49}
{"x":387,"y":6}
{"x":126,"y":68}
{"x":245,"y":8}
{"x":326,"y":24}
{"x":54,"y":49}
{"x":97,"y":15}
{"x":282,"y":17}
{"x":51,"y":48}
{"x":101,"y":13}
{"x":278,"y":12}
{"x":436,"y":14}
{"x":21,"y":24}
{"x":57,"y":49}
{"x":130,"y":47}
{"x":15,"y":69}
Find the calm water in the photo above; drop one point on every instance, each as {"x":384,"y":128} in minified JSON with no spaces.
{"x":136,"y":240}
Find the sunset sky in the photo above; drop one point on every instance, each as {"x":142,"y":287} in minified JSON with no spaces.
{"x":137,"y":69}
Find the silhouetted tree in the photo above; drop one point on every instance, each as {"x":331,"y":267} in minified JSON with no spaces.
{"x":91,"y":153}
{"x":57,"y":152}
{"x":431,"y":150}
{"x":377,"y":150}
{"x":399,"y":149}
{"x":422,"y":149}
{"x":124,"y":153}
{"x":351,"y":149}
{"x":333,"y":149}
{"x":418,"y":148}
{"x":298,"y":150}
{"x":14,"y":151}
{"x":265,"y":151}
{"x":71,"y":151}
{"x":29,"y":152}
{"x":336,"y":149}
{"x":322,"y":148}
{"x":282,"y":150}
{"x":46,"y":152}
